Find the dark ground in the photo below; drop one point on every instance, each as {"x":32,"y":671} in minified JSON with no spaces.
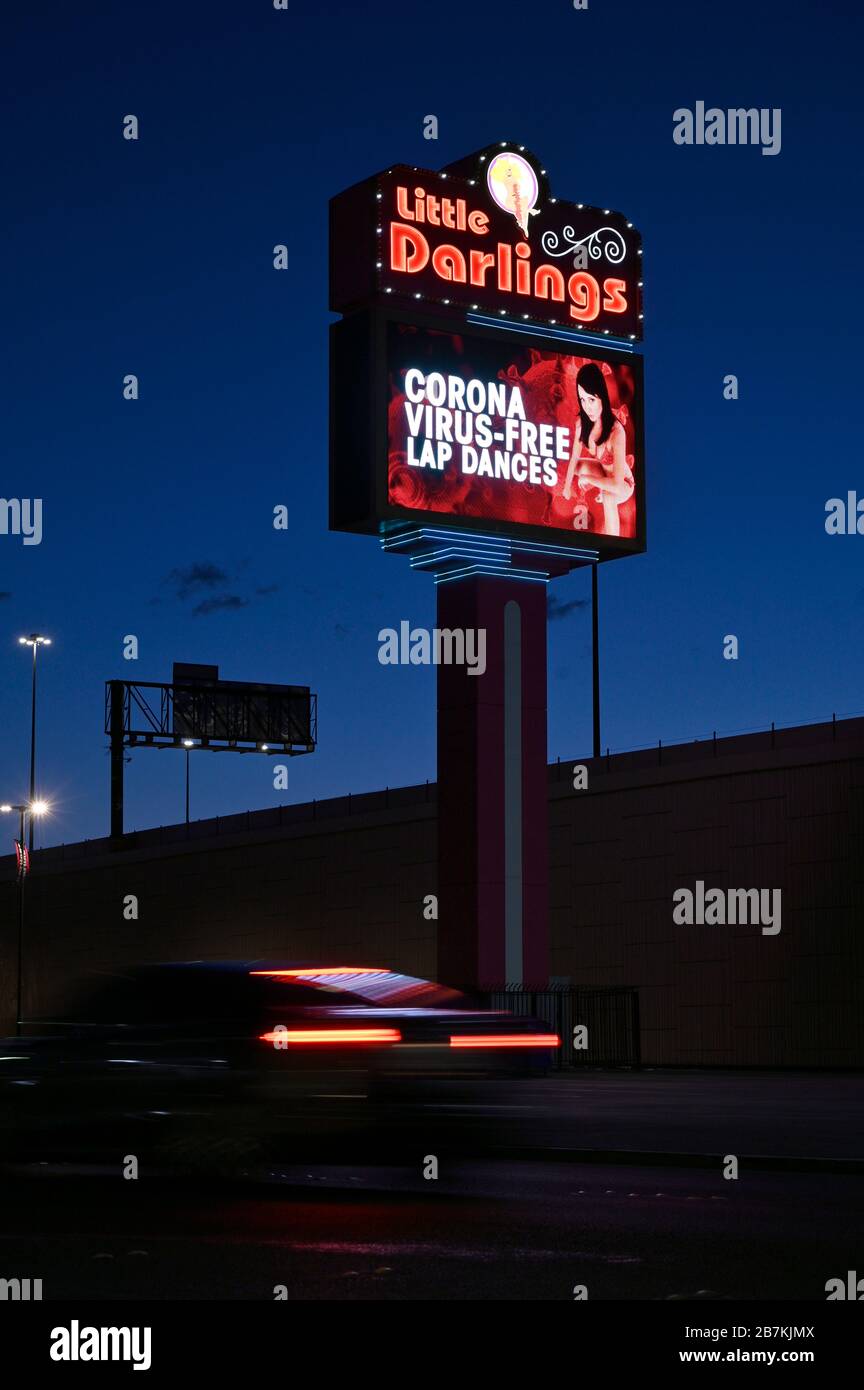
{"x":525,"y":1231}
{"x":490,"y":1227}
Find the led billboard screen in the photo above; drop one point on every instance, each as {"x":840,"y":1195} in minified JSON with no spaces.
{"x":498,"y":432}
{"x":483,"y":428}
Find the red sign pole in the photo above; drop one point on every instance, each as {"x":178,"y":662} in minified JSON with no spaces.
{"x":492,"y":795}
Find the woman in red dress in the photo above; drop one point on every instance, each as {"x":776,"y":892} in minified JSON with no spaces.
{"x":599,"y":455}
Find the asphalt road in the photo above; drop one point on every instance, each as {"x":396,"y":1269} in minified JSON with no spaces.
{"x":481,"y":1231}
{"x":807,"y":1114}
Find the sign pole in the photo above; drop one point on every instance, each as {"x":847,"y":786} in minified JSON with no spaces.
{"x":492,"y":794}
{"x":115,"y":725}
{"x":22,"y":876}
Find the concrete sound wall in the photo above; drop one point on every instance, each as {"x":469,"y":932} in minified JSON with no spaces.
{"x":758,"y":812}
{"x":344,"y":881}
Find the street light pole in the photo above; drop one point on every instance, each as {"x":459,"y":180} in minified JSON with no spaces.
{"x":33,"y":740}
{"x":29,"y":810}
{"x":21,"y":877}
{"x":187,"y":744}
{"x":35,"y":640}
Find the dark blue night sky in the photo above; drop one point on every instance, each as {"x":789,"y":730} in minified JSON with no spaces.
{"x":155,"y":258}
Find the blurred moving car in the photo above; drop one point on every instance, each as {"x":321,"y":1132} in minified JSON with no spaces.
{"x":217,"y":1064}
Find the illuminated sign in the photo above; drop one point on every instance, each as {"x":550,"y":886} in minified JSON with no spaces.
{"x":485,"y":429}
{"x":22,"y":858}
{"x":486,"y":235}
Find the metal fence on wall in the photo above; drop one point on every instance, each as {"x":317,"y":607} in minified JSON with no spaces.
{"x":610,"y":1016}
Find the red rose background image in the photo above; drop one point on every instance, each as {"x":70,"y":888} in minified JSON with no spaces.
{"x":547,"y":384}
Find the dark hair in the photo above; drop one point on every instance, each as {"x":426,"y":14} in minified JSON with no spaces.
{"x":592,"y":380}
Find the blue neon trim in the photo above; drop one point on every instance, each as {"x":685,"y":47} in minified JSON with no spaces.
{"x":436,"y":556}
{"x":433,"y":533}
{"x":498,"y":547}
{"x":484,"y":574}
{"x":527,"y":575}
{"x":438,"y":533}
{"x":539,"y":548}
{"x":537,"y":331}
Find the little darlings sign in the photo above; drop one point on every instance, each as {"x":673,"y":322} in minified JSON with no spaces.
{"x":486,"y":236}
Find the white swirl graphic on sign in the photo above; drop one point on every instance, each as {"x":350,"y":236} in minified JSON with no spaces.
{"x":605,"y":241}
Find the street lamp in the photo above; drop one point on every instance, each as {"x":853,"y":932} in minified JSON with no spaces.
{"x":27,"y":810}
{"x":35,"y":640}
{"x":187,"y":744}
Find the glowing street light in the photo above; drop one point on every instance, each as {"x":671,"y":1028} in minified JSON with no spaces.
{"x":26,"y":809}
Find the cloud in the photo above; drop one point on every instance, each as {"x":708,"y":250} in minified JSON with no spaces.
{"x":217,"y":603}
{"x":190,"y":579}
{"x":201,"y":582}
{"x":555,"y":609}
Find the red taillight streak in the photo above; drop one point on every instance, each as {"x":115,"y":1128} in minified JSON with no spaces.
{"x":311,"y":974}
{"x":333,"y":1035}
{"x":505,"y":1040}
